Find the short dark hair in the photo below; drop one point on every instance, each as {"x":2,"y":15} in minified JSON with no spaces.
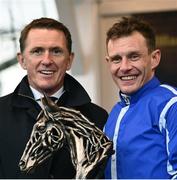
{"x":45,"y":23}
{"x":127,"y":25}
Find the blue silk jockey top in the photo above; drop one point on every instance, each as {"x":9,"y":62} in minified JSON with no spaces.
{"x":143,"y":127}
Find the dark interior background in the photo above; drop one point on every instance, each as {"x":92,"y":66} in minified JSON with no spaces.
{"x":165,"y":26}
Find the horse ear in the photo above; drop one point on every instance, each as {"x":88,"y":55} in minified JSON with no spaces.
{"x":49,"y":104}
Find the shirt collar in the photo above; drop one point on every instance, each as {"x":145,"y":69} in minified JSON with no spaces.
{"x":125,"y":98}
{"x":38,"y":95}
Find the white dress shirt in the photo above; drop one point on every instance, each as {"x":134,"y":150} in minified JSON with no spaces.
{"x":38,"y":95}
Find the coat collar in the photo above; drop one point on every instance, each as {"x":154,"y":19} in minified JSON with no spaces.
{"x":74,"y":95}
{"x":133,"y":98}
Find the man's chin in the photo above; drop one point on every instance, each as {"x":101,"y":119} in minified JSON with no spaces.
{"x":47,"y":89}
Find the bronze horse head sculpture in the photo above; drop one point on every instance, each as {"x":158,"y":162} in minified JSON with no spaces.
{"x":55,"y":125}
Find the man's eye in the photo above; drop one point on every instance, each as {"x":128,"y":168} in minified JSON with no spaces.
{"x":37,"y":52}
{"x":57,"y":52}
{"x":116,"y":61}
{"x":134,"y":57}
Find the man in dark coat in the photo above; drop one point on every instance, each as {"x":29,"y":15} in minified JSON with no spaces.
{"x":45,"y":46}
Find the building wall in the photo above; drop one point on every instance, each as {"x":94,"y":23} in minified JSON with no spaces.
{"x":92,"y":20}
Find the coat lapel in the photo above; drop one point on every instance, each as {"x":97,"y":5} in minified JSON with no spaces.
{"x":24,"y":99}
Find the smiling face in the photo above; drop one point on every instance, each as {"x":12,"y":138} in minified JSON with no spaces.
{"x":130,"y":62}
{"x":46,"y":59}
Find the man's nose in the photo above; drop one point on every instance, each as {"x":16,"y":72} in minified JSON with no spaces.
{"x":47,"y":58}
{"x":125,"y":64}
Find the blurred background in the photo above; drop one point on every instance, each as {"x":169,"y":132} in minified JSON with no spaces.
{"x":88,"y":21}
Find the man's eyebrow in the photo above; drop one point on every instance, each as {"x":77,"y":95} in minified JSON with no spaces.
{"x":36,"y":48}
{"x":115,"y":56}
{"x":134,"y":52}
{"x":56,"y":47}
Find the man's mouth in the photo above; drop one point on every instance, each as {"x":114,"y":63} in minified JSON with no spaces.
{"x":127,"y":78}
{"x":47,"y":72}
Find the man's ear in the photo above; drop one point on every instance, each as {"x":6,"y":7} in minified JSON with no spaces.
{"x":155,"y":58}
{"x":70,"y":61}
{"x":21,"y":60}
{"x":107,"y":58}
